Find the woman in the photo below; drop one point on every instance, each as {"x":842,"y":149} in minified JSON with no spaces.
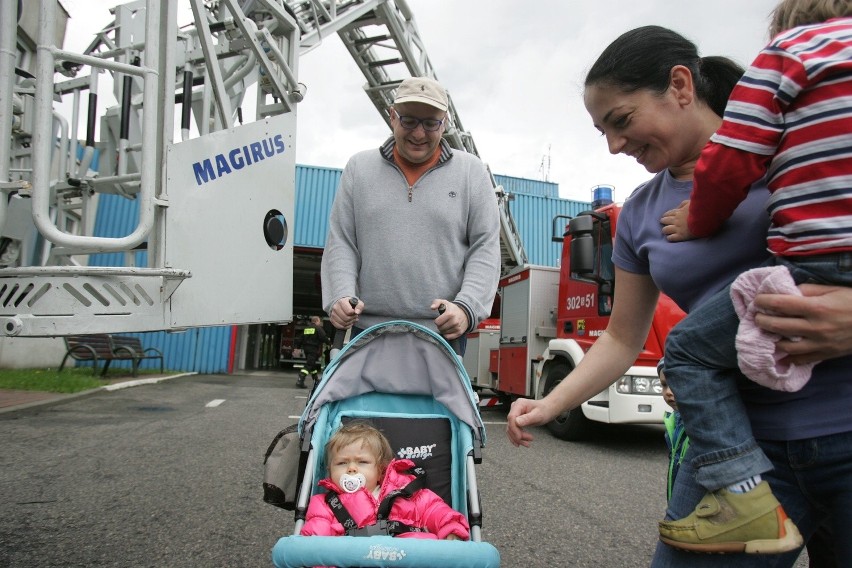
{"x":656,"y":100}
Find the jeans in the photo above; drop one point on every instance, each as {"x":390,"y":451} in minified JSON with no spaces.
{"x":813,"y":480}
{"x":701,"y":368}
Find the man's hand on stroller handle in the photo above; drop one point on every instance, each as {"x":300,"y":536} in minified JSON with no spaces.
{"x":452,"y":319}
{"x":344,"y":312}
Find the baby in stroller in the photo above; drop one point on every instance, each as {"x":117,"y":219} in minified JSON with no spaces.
{"x":369,"y":492}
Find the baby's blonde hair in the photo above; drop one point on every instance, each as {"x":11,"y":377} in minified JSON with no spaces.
{"x":792,"y":13}
{"x":370,"y":438}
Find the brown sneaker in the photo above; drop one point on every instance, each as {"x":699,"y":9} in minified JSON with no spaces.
{"x":753,"y":522}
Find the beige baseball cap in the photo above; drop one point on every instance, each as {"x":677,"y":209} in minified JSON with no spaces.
{"x":422,"y":90}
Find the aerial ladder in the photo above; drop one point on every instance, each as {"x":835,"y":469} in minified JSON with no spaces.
{"x":205,"y":201}
{"x":381,"y":41}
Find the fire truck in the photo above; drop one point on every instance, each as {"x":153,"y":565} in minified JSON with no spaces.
{"x":550,"y":317}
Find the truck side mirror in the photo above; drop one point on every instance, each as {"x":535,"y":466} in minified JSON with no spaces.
{"x":582,"y":245}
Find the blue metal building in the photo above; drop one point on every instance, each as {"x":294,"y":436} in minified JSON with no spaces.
{"x":225,"y":349}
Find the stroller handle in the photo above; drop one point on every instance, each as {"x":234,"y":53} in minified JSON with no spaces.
{"x":340,"y":334}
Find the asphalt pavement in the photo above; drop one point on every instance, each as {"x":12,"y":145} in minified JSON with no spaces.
{"x":168,"y":473}
{"x":14,"y":400}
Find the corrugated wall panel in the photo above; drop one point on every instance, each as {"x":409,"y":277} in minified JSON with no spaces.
{"x":528,"y":186}
{"x":116,"y":217}
{"x":187,"y":346}
{"x":315,"y":191}
{"x":184,"y":346}
{"x":534,"y":219}
{"x":202,"y":350}
{"x":213,"y":357}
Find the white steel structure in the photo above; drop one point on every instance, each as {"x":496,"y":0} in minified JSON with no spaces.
{"x":214,"y":209}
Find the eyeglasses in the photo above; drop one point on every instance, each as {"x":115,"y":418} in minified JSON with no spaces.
{"x":410,"y":122}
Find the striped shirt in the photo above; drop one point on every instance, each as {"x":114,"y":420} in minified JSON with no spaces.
{"x":789,"y":118}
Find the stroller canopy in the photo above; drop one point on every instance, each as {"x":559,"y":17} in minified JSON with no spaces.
{"x":398,"y":357}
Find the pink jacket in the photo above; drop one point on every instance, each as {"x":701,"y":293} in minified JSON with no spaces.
{"x":425,"y":509}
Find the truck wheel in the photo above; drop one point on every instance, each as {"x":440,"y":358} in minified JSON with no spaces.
{"x":572,"y":424}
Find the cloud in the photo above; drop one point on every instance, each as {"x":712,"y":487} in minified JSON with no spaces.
{"x":515,"y":72}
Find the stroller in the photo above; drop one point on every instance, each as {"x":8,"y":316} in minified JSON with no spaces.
{"x":405,"y":380}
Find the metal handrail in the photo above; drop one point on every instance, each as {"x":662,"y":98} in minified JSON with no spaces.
{"x":42,"y":134}
{"x":7,"y":81}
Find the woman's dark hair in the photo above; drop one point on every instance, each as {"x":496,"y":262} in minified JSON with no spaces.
{"x":643,"y":59}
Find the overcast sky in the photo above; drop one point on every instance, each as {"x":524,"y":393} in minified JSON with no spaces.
{"x":515,"y":72}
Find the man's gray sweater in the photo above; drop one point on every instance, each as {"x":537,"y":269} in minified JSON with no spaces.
{"x":399,"y":255}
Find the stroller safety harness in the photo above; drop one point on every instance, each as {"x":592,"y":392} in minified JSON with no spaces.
{"x":382,"y":526}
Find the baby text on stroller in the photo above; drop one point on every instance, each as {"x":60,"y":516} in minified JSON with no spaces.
{"x":416,"y":452}
{"x":380,"y":552}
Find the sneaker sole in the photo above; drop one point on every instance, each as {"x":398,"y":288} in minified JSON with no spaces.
{"x":791,"y":541}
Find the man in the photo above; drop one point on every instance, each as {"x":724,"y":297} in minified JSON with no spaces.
{"x":313,"y":342}
{"x":414,"y":226}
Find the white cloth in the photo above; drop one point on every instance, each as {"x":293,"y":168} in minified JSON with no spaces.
{"x":757,"y":354}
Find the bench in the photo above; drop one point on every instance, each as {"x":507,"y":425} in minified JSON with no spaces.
{"x":107,"y":348}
